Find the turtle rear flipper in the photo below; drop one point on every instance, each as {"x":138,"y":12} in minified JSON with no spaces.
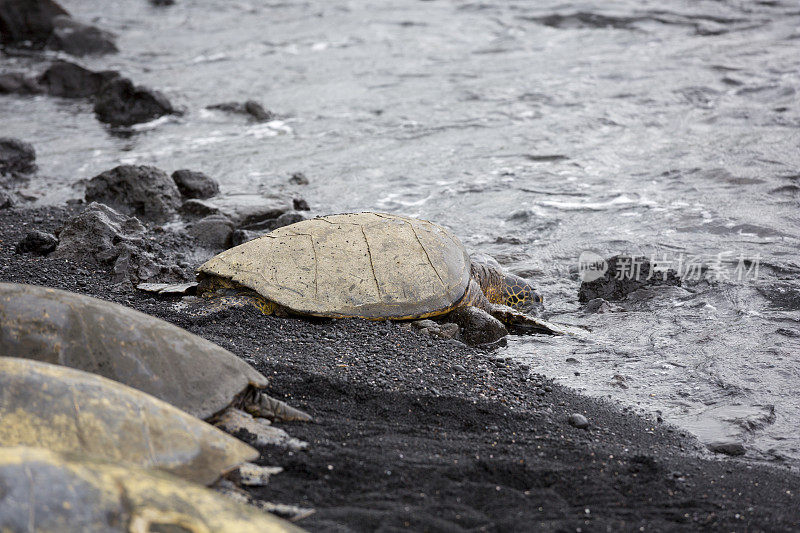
{"x":262,"y":405}
{"x":259,"y":430}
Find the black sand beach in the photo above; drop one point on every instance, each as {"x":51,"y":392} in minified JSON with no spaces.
{"x":423,"y":434}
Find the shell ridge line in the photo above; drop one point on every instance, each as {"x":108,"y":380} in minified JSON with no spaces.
{"x":31,"y":499}
{"x":428,"y":257}
{"x":372,"y":265}
{"x":146,"y":434}
{"x":316,"y":267}
{"x":76,"y":410}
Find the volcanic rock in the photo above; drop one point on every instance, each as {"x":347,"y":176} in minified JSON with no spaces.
{"x":144,"y":191}
{"x":192,"y":184}
{"x":121,"y":103}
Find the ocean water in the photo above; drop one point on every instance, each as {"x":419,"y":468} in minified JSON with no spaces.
{"x":537,"y":131}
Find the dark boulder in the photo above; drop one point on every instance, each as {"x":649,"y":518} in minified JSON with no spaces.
{"x":624,"y":275}
{"x":28,"y":20}
{"x":121,"y":103}
{"x":80,"y":39}
{"x":144,"y":191}
{"x":69,"y":80}
{"x":213,"y":231}
{"x":479,"y":327}
{"x":194,"y":184}
{"x":101,"y":236}
{"x":37,"y":242}
{"x":16,"y":156}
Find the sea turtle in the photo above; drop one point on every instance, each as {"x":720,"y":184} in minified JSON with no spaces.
{"x":67,"y":410}
{"x":138,"y":350}
{"x":368,"y":265}
{"x":46,"y":491}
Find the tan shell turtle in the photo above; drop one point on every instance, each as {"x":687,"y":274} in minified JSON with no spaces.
{"x":368,"y":265}
{"x":133,"y":348}
{"x":45,"y":491}
{"x":66,"y":410}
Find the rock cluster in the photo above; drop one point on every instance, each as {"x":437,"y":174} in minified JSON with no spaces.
{"x":45,"y":24}
{"x":624,"y":275}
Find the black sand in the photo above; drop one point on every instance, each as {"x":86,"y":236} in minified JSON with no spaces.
{"x":420,"y":434}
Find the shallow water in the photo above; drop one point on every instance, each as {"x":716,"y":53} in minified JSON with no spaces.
{"x":536,"y":133}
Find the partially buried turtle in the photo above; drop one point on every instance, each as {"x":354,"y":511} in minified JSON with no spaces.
{"x":142,"y":352}
{"x":367,"y":265}
{"x":47,"y":491}
{"x":66,"y":410}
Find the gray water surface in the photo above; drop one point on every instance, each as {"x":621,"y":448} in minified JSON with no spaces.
{"x":537,"y":131}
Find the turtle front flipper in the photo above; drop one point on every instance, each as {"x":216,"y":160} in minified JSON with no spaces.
{"x":523,"y":322}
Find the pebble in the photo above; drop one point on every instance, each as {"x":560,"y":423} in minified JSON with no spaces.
{"x":37,"y":242}
{"x":727,"y":447}
{"x":578,"y":420}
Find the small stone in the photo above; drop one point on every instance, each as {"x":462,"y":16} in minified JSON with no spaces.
{"x":300,"y":205}
{"x":195,"y":207}
{"x":193,"y":184}
{"x":448,"y":330}
{"x":727,"y":447}
{"x":298,"y":178}
{"x":459,"y":368}
{"x":572,"y":360}
{"x":598,"y":305}
{"x":422,"y":324}
{"x":578,"y":420}
{"x":287,"y":219}
{"x":16,"y":156}
{"x":241,"y":236}
{"x":37,"y":242}
{"x":480,"y":328}
{"x":258,"y":112}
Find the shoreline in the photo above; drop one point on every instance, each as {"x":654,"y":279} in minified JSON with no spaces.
{"x":419,"y":433}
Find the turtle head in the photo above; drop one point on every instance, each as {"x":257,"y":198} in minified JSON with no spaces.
{"x":519,"y":294}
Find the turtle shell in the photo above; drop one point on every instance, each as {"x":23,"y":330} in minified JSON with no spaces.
{"x":369,"y":265}
{"x":47,"y":491}
{"x":66,"y":410}
{"x":121,"y":344}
